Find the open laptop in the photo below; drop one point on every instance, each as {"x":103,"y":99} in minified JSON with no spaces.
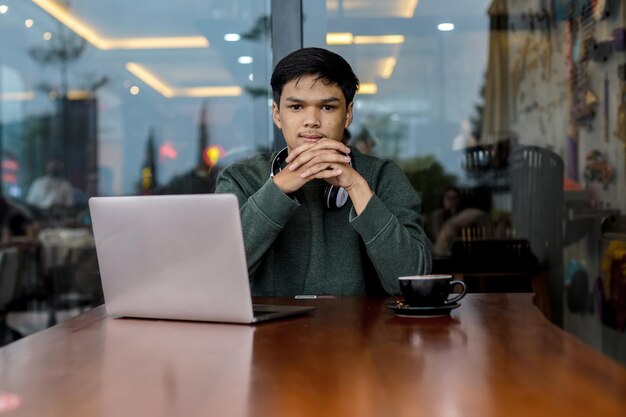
{"x":177,"y":257}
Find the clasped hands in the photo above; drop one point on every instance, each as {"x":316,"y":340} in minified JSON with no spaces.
{"x":325,"y":159}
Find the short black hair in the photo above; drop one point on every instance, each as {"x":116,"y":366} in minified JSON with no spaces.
{"x":326,"y":65}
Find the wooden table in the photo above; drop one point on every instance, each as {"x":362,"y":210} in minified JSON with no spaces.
{"x":496,"y":356}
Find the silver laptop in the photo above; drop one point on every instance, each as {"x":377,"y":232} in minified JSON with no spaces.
{"x":177,"y":257}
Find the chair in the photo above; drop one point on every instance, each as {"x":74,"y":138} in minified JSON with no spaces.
{"x":488,"y":163}
{"x":537,"y":197}
{"x":69,"y":288}
{"x":64,"y":251}
{"x":497,"y":265}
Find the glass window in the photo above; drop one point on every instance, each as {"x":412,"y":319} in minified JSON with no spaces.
{"x":119,"y":98}
{"x":112,"y":87}
{"x":508,"y":118}
{"x":422,"y":67}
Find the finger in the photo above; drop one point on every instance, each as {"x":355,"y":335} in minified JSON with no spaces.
{"x":331,"y":144}
{"x":327,"y":173}
{"x":317,"y":168}
{"x":325,"y":143}
{"x":297,"y":151}
{"x":319,"y":157}
{"x":322,"y":157}
{"x":288,"y":182}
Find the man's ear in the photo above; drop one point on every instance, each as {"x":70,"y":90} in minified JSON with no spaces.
{"x":349,"y":114}
{"x":276,"y":115}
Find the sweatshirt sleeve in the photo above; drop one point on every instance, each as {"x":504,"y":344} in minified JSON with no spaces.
{"x":391,"y":229}
{"x":264,"y":215}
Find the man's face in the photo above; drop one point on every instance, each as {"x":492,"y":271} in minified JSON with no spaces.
{"x":451,"y":200}
{"x":311,"y":110}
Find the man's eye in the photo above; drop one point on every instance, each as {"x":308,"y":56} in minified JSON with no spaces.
{"x":328,"y":107}
{"x":295,"y":107}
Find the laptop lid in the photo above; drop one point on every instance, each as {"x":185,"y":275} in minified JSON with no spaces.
{"x":175,"y":257}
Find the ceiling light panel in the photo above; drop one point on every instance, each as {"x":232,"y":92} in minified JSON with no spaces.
{"x":107,"y":39}
{"x":368,"y":88}
{"x":372,"y":8}
{"x":347,"y":38}
{"x":157,"y":83}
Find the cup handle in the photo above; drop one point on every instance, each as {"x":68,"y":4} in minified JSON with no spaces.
{"x":460,"y":295}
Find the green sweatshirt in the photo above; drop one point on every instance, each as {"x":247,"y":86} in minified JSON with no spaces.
{"x":295,"y":245}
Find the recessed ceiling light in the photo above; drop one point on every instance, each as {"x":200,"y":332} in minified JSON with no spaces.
{"x":134,"y":90}
{"x":232,"y":37}
{"x":28,"y":23}
{"x":3,"y":8}
{"x":445,"y":27}
{"x":245,"y":60}
{"x":47,"y":36}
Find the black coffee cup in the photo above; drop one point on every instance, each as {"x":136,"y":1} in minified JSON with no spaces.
{"x":430,"y":290}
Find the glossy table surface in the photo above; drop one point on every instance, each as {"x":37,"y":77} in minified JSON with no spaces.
{"x":495,"y":356}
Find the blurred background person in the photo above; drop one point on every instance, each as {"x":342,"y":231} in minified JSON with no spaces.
{"x":460,"y":213}
{"x":464,"y":139}
{"x":450,"y":202}
{"x":52,"y":189}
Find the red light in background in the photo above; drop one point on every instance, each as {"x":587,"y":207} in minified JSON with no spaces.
{"x":9,"y":178}
{"x":10,"y":164}
{"x":167,"y":151}
{"x":10,"y":170}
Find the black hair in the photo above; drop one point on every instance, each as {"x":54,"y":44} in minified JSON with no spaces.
{"x":326,"y":65}
{"x":453,"y":188}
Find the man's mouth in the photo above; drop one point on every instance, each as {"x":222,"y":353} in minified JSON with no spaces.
{"x":311,"y":137}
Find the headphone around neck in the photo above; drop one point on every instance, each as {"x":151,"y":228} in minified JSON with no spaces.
{"x":334,"y":197}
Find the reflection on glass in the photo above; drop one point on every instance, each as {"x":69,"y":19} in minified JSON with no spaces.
{"x":516,"y":109}
{"x":94,"y":89}
{"x":94,"y":103}
{"x":180,"y":366}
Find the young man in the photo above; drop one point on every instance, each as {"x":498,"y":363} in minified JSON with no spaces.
{"x":301,"y":234}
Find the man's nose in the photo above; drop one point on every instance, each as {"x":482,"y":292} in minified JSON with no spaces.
{"x":312,"y":118}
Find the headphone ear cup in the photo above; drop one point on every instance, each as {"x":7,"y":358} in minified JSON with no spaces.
{"x":278,"y":162}
{"x":329,"y":197}
{"x":335,"y":197}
